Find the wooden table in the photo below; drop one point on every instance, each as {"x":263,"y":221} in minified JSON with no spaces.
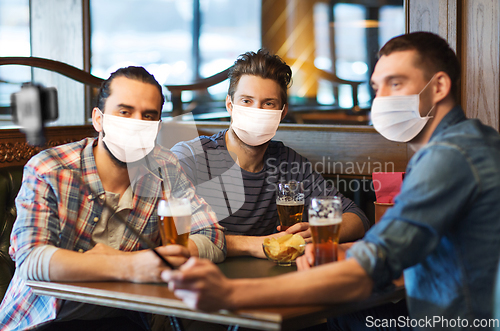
{"x":157,"y":299}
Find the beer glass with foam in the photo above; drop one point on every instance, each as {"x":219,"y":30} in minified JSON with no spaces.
{"x":290,"y":203}
{"x":174,"y":220}
{"x":325,"y":218}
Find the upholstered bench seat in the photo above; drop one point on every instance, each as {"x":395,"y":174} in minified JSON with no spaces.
{"x":10,"y":182}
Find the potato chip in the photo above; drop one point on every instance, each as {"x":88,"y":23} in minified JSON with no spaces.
{"x":284,"y":238}
{"x":296,"y":241}
{"x":274,"y":248}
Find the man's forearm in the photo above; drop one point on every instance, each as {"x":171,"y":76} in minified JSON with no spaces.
{"x":332,"y":283}
{"x":66,"y":265}
{"x":244,"y":245}
{"x":105,"y":263}
{"x":352,"y":228}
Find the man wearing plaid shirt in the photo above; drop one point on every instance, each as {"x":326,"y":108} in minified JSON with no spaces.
{"x":64,"y":233}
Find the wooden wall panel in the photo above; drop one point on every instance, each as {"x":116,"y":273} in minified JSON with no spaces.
{"x":423,"y":14}
{"x":437,"y":16}
{"x":14,"y":151}
{"x":481,"y":60}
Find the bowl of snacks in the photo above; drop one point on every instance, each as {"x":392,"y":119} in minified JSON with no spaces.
{"x":284,"y":250}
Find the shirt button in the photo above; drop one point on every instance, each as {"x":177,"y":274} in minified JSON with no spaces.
{"x":96,"y":219}
{"x":101,"y":197}
{"x":90,"y":197}
{"x":80,"y":250}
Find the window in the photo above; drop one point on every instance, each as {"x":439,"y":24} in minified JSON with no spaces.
{"x":14,"y":41}
{"x":178,"y":41}
{"x":358,"y":33}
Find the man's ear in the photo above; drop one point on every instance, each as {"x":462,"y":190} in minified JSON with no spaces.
{"x":442,"y":86}
{"x":97,"y":119}
{"x":285,"y":111}
{"x":229,"y":107}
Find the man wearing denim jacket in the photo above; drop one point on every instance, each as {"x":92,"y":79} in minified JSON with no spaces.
{"x":444,"y":229}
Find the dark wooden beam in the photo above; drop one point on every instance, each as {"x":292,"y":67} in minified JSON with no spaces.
{"x":56,"y":66}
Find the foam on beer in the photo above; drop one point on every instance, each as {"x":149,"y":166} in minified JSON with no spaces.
{"x":165,"y":210}
{"x":321,"y":221}
{"x":289,"y":203}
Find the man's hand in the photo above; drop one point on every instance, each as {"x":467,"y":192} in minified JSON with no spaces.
{"x":200,"y":284}
{"x":175,"y":254}
{"x":248,"y":245}
{"x":301,"y":228}
{"x":147,"y":267}
{"x":305,"y":261}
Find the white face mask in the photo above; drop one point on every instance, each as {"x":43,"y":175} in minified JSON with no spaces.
{"x":128,"y":139}
{"x":255,"y":126}
{"x":397,"y":118}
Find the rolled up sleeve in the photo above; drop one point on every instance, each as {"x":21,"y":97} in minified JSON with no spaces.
{"x":37,"y":221}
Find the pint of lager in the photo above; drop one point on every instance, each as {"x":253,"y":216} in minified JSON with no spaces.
{"x":174,"y":220}
{"x":325,"y":218}
{"x":290,"y":203}
{"x":290,"y":212}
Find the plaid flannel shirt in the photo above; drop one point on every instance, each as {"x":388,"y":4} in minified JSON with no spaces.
{"x":58,"y":204}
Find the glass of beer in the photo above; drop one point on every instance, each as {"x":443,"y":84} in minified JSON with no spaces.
{"x":290,"y":203}
{"x":325,"y":218}
{"x":174,"y":220}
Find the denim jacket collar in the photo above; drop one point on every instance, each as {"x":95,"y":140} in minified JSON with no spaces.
{"x":455,"y":116}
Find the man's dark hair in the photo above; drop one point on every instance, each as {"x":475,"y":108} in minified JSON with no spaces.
{"x":434,"y":55}
{"x":135,"y":73}
{"x":264,"y":65}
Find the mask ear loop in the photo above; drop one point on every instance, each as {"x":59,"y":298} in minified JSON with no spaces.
{"x":430,"y":112}
{"x":423,"y":91}
{"x":159,"y":126}
{"x":283,"y":108}
{"x":102,"y":121}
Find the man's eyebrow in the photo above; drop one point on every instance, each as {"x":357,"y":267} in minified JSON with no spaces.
{"x":268,"y":99}
{"x":122,"y":105}
{"x":252,"y":97}
{"x":147,"y":111}
{"x":389,"y":78}
{"x":152,"y":111}
{"x":400,"y":76}
{"x":246,"y":96}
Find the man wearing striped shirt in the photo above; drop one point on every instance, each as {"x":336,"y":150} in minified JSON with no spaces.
{"x":63,"y":232}
{"x":237,"y":170}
